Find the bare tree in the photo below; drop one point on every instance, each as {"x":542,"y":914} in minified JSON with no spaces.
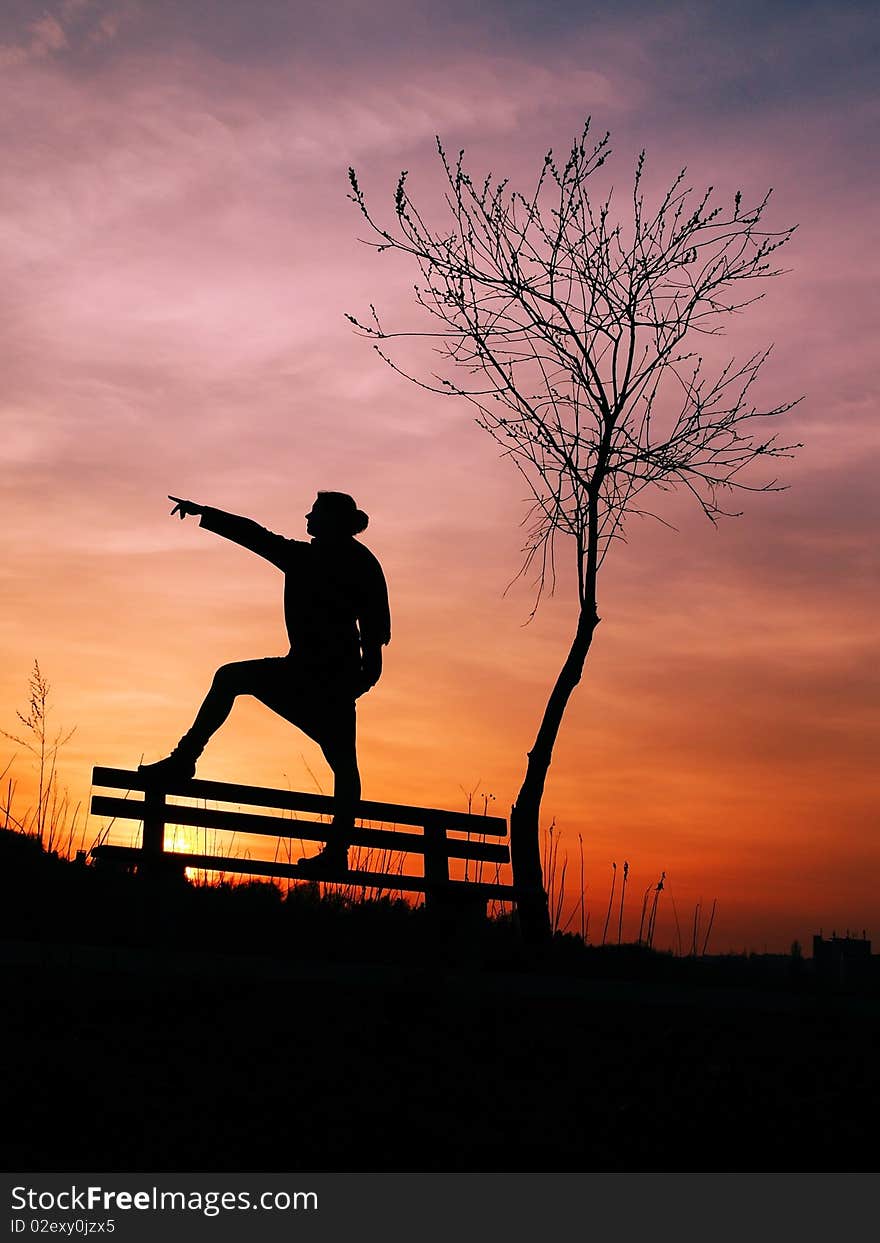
{"x":566,"y":331}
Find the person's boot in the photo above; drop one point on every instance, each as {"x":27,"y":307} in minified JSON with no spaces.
{"x":180,"y":765}
{"x":332,"y":860}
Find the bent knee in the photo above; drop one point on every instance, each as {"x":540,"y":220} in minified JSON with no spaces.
{"x":231,"y":676}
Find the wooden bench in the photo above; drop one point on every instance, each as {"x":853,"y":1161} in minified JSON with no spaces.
{"x":442,"y":836}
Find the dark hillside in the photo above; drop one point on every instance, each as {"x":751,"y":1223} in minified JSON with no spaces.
{"x":220,"y":1029}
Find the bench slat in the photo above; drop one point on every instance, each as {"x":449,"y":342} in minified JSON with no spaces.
{"x":296,"y":800}
{"x":308,"y":830}
{"x":261,"y":867}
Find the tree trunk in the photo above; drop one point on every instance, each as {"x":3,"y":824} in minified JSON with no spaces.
{"x":525,"y":845}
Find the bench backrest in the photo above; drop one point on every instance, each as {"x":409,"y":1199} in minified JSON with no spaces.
{"x":434,"y":841}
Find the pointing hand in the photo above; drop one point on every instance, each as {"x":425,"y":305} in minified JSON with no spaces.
{"x":184,"y":508}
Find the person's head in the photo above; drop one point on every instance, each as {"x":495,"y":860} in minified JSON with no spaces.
{"x":335,"y":515}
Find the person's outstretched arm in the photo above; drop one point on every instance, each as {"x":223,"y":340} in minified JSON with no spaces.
{"x":243,"y":531}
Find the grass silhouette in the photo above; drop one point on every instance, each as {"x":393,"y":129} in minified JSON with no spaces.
{"x":240,"y":1027}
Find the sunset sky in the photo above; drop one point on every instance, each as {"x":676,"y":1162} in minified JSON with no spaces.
{"x":177,"y":255}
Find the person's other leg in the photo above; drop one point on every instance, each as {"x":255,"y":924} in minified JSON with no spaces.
{"x":336,"y":734}
{"x":339,"y":745}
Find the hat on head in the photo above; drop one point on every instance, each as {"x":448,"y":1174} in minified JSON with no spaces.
{"x":342,"y":509}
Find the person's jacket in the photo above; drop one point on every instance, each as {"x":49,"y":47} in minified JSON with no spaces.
{"x":335,"y":594}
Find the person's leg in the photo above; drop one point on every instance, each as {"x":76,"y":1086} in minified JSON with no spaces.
{"x":337,"y":737}
{"x":340,"y":752}
{"x":326,"y":715}
{"x":244,"y":677}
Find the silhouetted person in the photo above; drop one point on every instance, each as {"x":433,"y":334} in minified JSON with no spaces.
{"x":336,"y":610}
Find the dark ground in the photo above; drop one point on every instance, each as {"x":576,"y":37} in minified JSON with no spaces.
{"x":366,"y":1041}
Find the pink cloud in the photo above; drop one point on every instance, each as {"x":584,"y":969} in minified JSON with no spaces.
{"x":75,"y":24}
{"x":44,"y":38}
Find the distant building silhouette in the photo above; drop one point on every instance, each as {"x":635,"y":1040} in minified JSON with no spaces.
{"x":842,"y":960}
